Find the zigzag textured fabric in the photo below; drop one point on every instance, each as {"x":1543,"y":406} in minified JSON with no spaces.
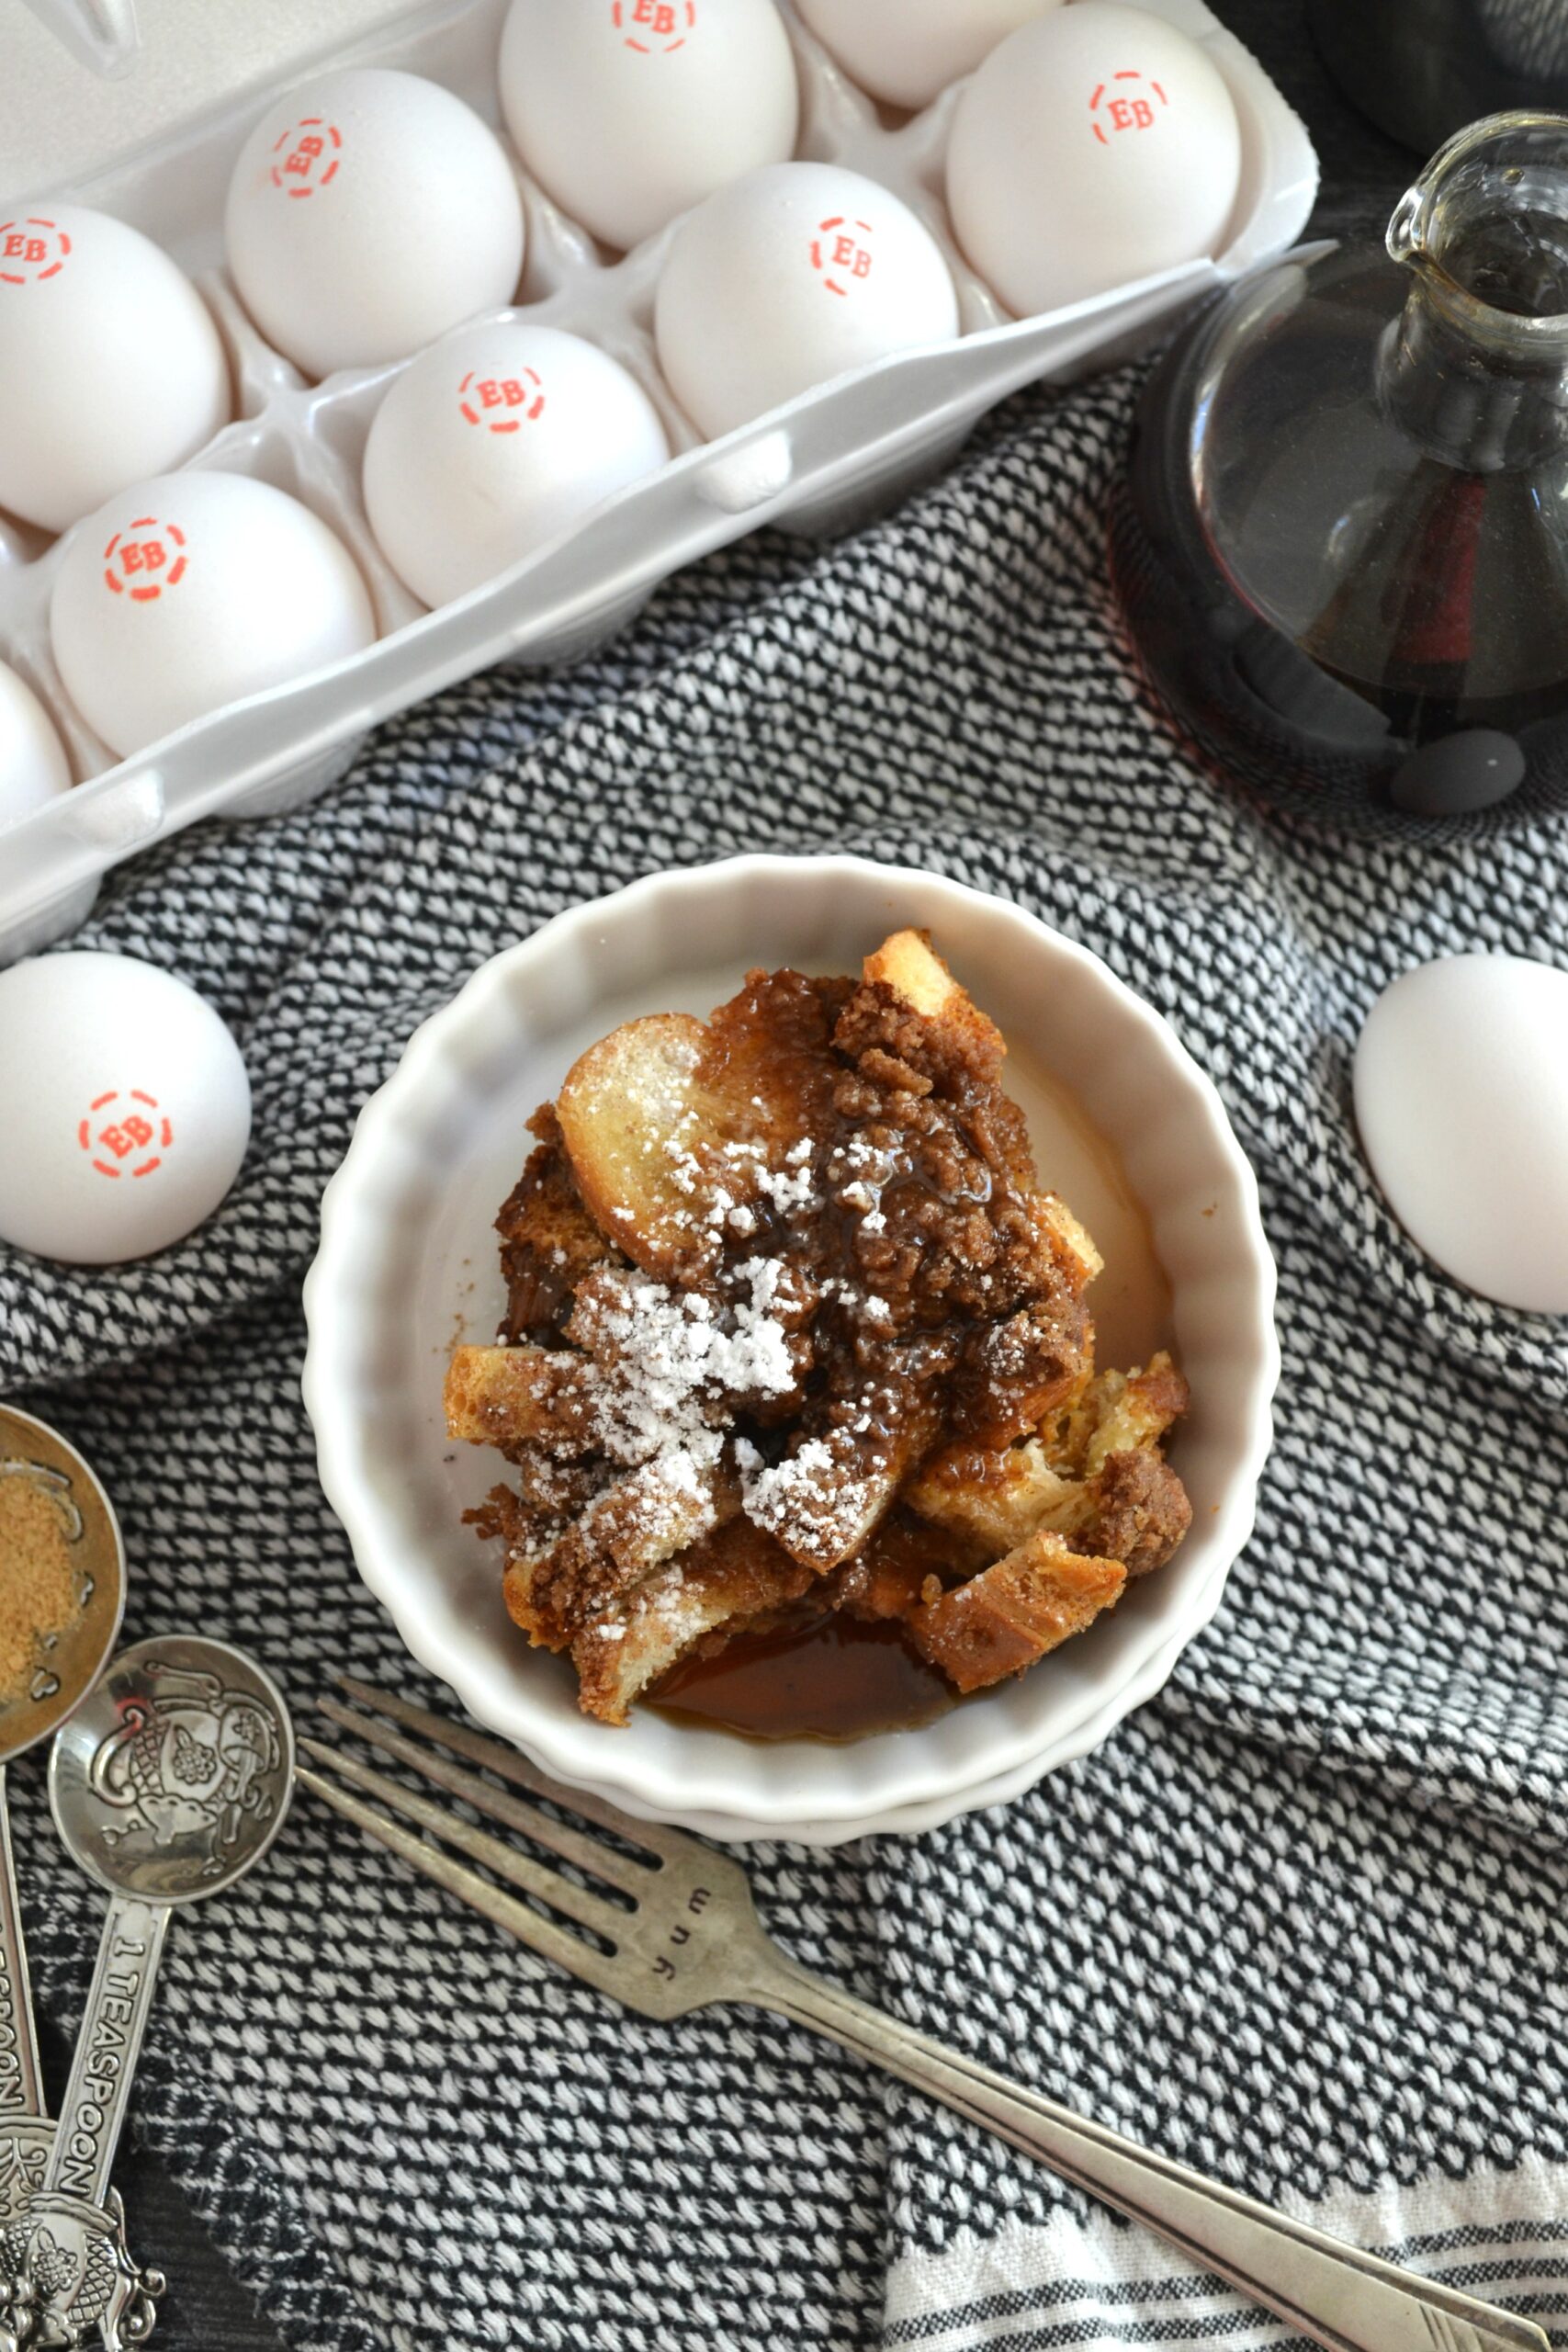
{"x":1303,"y":1922}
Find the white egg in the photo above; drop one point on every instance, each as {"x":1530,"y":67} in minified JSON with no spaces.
{"x":1094,"y":147}
{"x":368,"y":213}
{"x":110,"y":366}
{"x":1461,"y":1097}
{"x":33,"y":765}
{"x":795,"y":273}
{"x":495,"y":441}
{"x":129,"y":1108}
{"x":629,"y":111}
{"x":906,"y":52}
{"x":194,"y":590}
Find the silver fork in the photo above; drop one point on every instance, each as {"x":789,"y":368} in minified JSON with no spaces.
{"x":674,"y":1929}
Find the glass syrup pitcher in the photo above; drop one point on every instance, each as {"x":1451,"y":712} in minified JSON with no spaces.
{"x":1342,"y":540}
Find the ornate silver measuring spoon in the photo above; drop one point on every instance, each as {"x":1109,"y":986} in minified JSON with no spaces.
{"x":69,"y":1659}
{"x":66,"y":1666}
{"x":168,"y":1783}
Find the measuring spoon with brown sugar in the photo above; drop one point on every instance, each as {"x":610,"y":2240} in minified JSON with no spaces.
{"x":61,"y":1597}
{"x":63,"y":1593}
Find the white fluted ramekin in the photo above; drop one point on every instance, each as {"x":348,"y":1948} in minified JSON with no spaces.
{"x":407,"y":1263}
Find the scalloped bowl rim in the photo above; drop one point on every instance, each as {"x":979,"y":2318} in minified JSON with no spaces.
{"x":1002,"y":1766}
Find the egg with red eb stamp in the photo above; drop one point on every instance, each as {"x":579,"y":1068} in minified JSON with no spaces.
{"x":1094,"y":147}
{"x":906,"y":52}
{"x":799,"y":272}
{"x":110,"y":366}
{"x":629,"y":111}
{"x":369,"y":211}
{"x":491,"y":443}
{"x":33,"y":766}
{"x":129,"y":1108}
{"x":194,"y":590}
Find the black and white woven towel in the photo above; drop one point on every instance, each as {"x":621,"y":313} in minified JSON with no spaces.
{"x":1303,"y":1922}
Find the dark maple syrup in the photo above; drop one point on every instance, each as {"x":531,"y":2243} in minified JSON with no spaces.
{"x":834,"y":1679}
{"x":1341,"y":543}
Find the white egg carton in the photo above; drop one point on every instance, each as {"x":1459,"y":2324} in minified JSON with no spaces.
{"x":823,"y":461}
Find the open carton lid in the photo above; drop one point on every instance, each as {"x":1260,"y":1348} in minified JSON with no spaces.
{"x":60,"y":123}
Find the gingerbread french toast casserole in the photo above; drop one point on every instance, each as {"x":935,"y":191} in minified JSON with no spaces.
{"x":792,"y":1327}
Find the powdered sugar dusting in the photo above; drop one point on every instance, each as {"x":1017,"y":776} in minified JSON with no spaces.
{"x":815,"y":1501}
{"x":669,"y":1360}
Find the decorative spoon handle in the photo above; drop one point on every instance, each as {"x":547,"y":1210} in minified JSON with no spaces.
{"x":98,"y":2091}
{"x":64,"y":2271}
{"x":24,"y":2129}
{"x":21,"y":2089}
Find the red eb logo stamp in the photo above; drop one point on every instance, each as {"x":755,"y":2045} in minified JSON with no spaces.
{"x":839,"y":251}
{"x":144,"y":559}
{"x":1119,"y":106}
{"x":305,"y":160}
{"x":654,"y":26}
{"x":32,"y":250}
{"x":501,"y":404}
{"x":126,"y":1134}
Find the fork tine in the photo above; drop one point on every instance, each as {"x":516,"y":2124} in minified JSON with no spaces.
{"x":589,"y":1854}
{"x":669,"y":1845}
{"x":541,"y":1934}
{"x":519,"y":1869}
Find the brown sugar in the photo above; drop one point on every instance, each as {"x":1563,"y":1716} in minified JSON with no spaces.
{"x":38,"y":1591}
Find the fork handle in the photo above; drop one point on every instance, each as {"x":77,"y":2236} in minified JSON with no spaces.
{"x":1332,"y":2294}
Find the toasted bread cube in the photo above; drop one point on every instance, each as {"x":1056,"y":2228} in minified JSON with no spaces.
{"x":733,"y":1575}
{"x":1133,"y":1408}
{"x":1015,"y":1373}
{"x":831,"y":1491}
{"x":1012,"y":1614}
{"x":629,"y":1111}
{"x":549,"y":1493}
{"x":512,"y":1397}
{"x":637,"y":1523}
{"x":910,"y":966}
{"x":997,"y":1500}
{"x":524,"y":1607}
{"x":549,"y":1241}
{"x":1065,"y":1428}
{"x":1142,"y":1511}
{"x":1070,"y":1241}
